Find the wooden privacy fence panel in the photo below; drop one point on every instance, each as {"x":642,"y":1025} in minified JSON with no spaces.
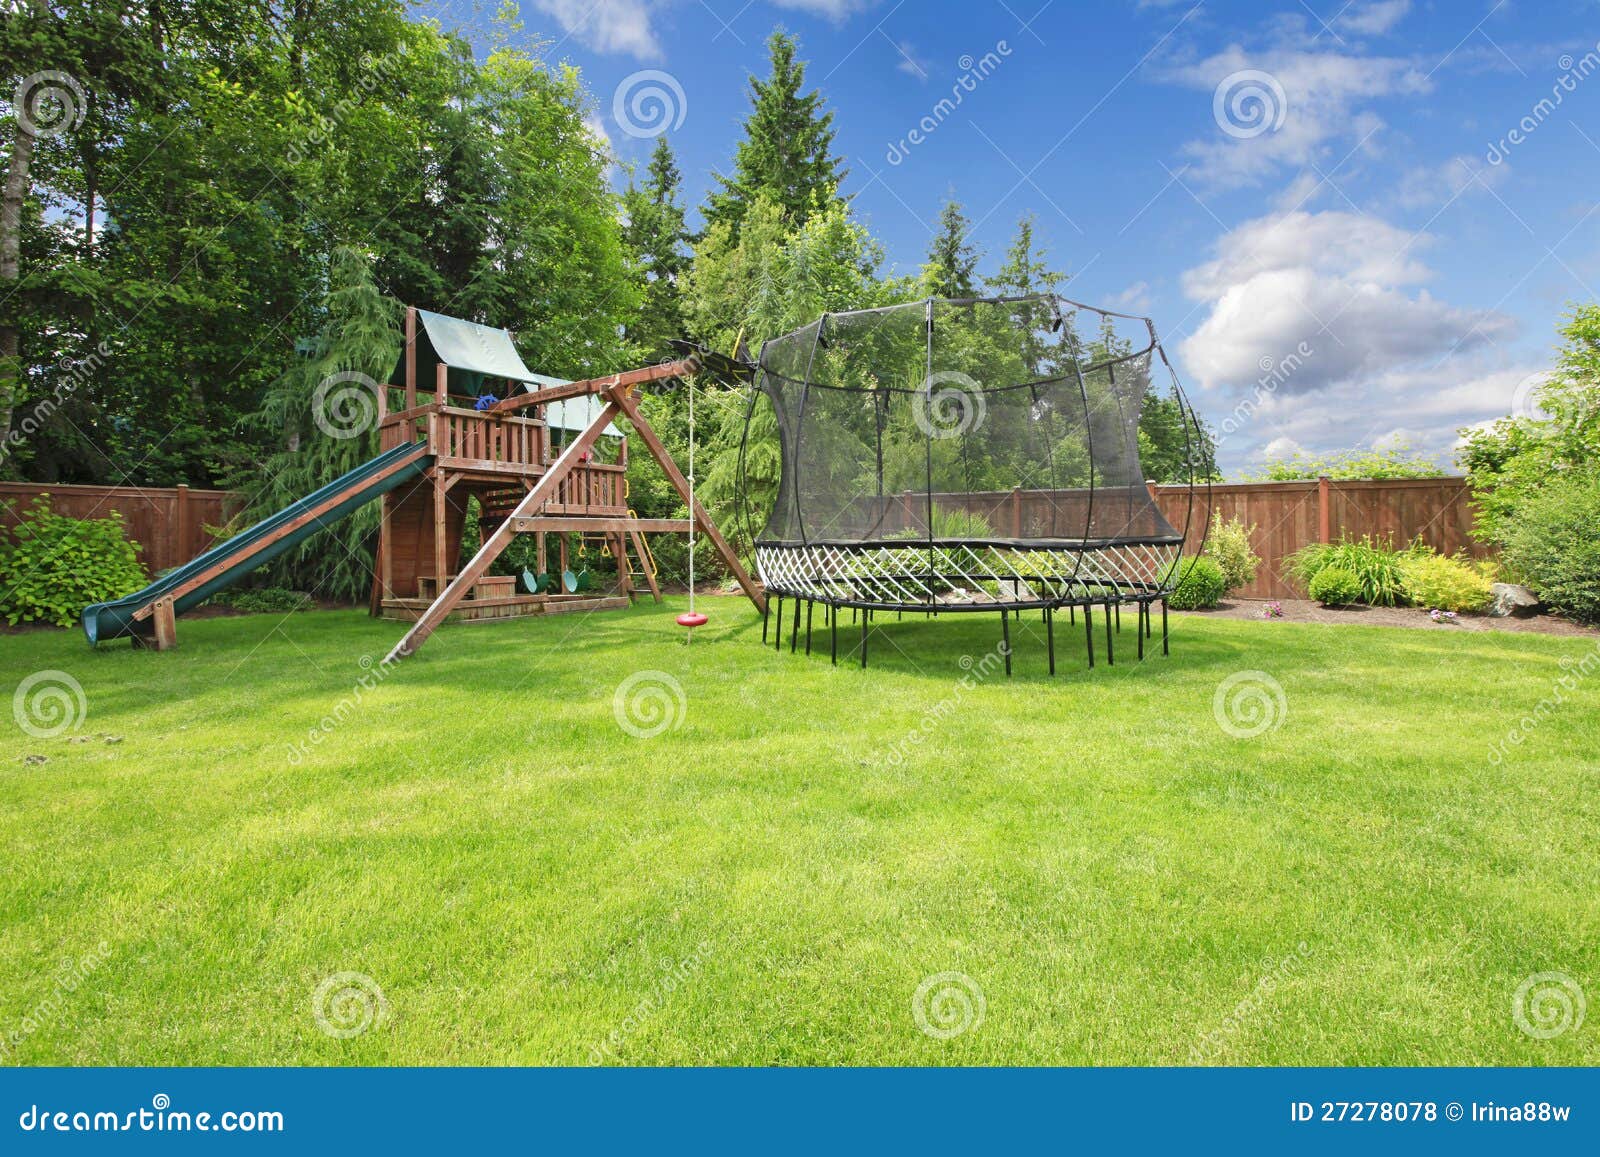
{"x":169,"y":522}
{"x":1289,"y":515}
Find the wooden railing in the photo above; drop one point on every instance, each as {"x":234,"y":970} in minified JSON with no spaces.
{"x":591,"y":488}
{"x":470,"y":440}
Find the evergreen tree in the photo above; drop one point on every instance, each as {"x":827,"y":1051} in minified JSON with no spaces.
{"x":1025,"y":270}
{"x":951,"y":270}
{"x":787,"y":152}
{"x":656,"y":238}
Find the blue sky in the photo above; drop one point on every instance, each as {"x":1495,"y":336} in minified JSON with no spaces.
{"x":1352,"y":223}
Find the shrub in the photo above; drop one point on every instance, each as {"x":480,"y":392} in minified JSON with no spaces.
{"x":1201,"y":584}
{"x":1443,"y":583}
{"x":267,"y":600}
{"x":1554,"y":542}
{"x":55,"y":565}
{"x":1228,"y":545}
{"x":1375,"y":565}
{"x":1334,"y":586}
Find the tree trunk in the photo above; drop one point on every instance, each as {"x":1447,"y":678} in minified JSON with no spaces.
{"x":16,"y":190}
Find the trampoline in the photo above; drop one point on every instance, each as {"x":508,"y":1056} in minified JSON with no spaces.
{"x":965,"y":456}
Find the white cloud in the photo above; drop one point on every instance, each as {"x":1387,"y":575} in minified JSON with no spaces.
{"x":621,"y":26}
{"x":1373,"y":19}
{"x":1313,"y":101}
{"x":1338,"y":295}
{"x":832,"y":9}
{"x":1134,"y":299}
{"x":1434,"y":186}
{"x":910,"y":63}
{"x":1282,"y":448}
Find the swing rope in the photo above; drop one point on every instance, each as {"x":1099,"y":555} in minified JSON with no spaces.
{"x":692,"y":618}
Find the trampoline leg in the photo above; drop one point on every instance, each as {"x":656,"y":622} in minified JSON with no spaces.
{"x":833,"y":622}
{"x":1119,"y":617}
{"x":809,"y":606}
{"x":1050,"y":638}
{"x":778,"y":634}
{"x":1088,"y":630}
{"x":1072,"y":616}
{"x":1005,"y":639}
{"x":1164,"y":649}
{"x":765,"y":615}
{"x":863,"y":642}
{"x":1139,"y":629}
{"x":1147,"y":617}
{"x":1111,"y":659}
{"x":794,"y":630}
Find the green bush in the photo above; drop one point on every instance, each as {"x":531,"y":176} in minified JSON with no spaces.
{"x":1375,"y":565}
{"x":54,"y":566}
{"x":1334,"y":586}
{"x":1201,"y":584}
{"x":267,"y":600}
{"x":1443,"y":583}
{"x":1554,"y":542}
{"x":1228,"y":545}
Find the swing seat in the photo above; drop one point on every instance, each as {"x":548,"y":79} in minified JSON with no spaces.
{"x":691,"y":619}
{"x":569,"y":582}
{"x":584,"y":581}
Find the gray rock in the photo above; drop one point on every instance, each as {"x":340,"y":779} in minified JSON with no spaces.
{"x":1511,"y":599}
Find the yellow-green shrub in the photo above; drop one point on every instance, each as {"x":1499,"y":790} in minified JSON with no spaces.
{"x":1442,"y":582}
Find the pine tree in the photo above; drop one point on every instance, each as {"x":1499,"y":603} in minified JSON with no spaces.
{"x":656,"y":238}
{"x":787,"y":152}
{"x":951,"y":270}
{"x":1025,"y":270}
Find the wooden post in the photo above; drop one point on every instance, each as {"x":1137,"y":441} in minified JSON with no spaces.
{"x":1016,"y":512}
{"x":1324,"y":512}
{"x":441,"y":564}
{"x":165,"y":625}
{"x":185,"y":531}
{"x":619,"y":551}
{"x":441,"y":385}
{"x":630,"y":407}
{"x":541,"y":561}
{"x":411,"y":357}
{"x":497,"y":542}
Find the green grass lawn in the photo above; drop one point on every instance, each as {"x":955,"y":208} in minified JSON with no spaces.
{"x":772,"y":879}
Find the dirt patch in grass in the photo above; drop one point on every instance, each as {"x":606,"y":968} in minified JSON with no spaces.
{"x":1306,"y":611}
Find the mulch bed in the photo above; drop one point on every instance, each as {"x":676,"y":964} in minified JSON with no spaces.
{"x":1306,"y":611}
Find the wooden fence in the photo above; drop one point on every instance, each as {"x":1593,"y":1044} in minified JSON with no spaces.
{"x":170,"y":523}
{"x":1289,"y":515}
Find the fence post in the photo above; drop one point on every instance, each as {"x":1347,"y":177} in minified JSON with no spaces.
{"x":185,"y":535}
{"x":1324,"y":512}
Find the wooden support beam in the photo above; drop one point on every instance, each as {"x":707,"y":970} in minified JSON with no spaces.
{"x":497,"y":542}
{"x":564,"y":523}
{"x":411,"y":357}
{"x":548,"y":394}
{"x":630,"y":408}
{"x":165,"y":623}
{"x":643,"y":556}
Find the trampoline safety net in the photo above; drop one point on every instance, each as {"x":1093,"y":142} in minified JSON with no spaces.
{"x":964,"y":455}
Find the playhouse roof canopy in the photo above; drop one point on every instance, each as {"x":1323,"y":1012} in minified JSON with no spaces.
{"x":482,"y":359}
